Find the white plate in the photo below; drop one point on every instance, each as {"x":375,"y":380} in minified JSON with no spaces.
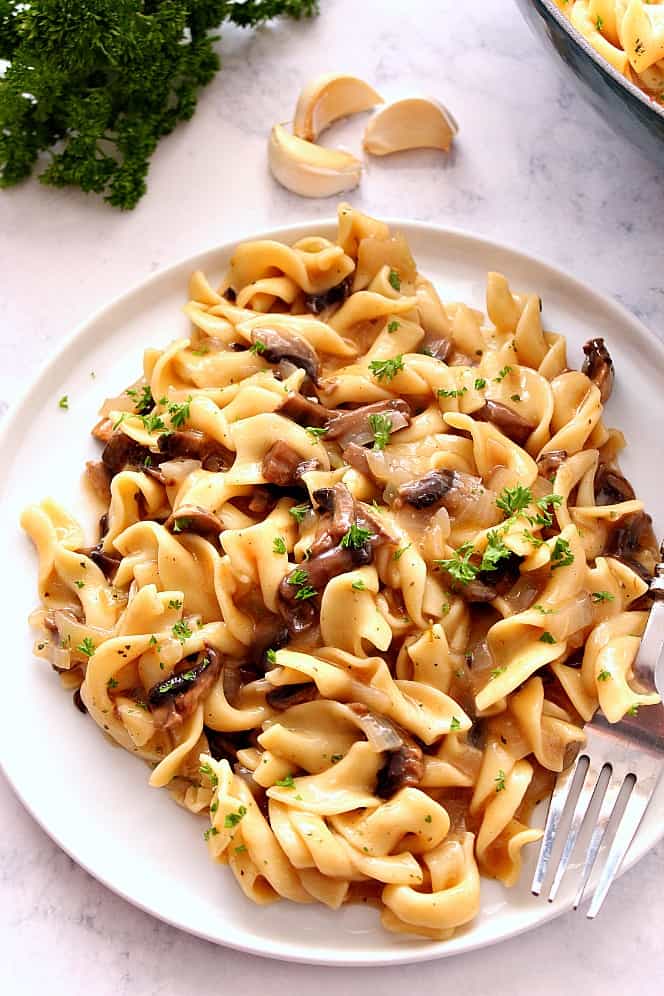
{"x":94,"y":800}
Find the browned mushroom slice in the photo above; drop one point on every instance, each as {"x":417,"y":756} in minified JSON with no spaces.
{"x":103,"y":430}
{"x":194,"y":519}
{"x":284,"y":696}
{"x":611,"y":488}
{"x":99,"y":479}
{"x":121,"y":451}
{"x":194,"y":445}
{"x":305,"y":412}
{"x":548,"y":463}
{"x":173,"y":700}
{"x":450,"y":488}
{"x":275,"y":346}
{"x":315,"y":303}
{"x":598,"y":366}
{"x":107,"y":564}
{"x":405,"y":762}
{"x":354,"y":426}
{"x":356,"y":457}
{"x":339,"y":503}
{"x":310,"y":579}
{"x":283,"y":466}
{"x":510,"y":424}
{"x":633,"y":542}
{"x":440,"y":349}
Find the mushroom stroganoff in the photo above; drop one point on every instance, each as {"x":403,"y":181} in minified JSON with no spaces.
{"x":368,"y":564}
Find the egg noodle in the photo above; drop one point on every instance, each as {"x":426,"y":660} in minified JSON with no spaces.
{"x":627,"y":33}
{"x":367,"y":566}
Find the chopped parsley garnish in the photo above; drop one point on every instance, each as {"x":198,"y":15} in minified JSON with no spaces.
{"x":86,"y":646}
{"x":547,"y":637}
{"x":215,"y":806}
{"x":278,"y":545}
{"x":241,"y":848}
{"x":603,"y":675}
{"x":502,"y":374}
{"x":500,"y":780}
{"x":300,"y":579}
{"x":298,"y":576}
{"x":271,"y":656}
{"x":514,"y":500}
{"x":181,"y":631}
{"x":497,"y":671}
{"x":381,"y":426}
{"x":480,"y":383}
{"x":633,"y":710}
{"x":201,"y":351}
{"x":445,"y":608}
{"x":398,"y":554}
{"x":173,"y":603}
{"x":495,"y":551}
{"x":356,"y":537}
{"x":210,"y":832}
{"x":258,"y":347}
{"x":459,"y":566}
{"x":515,"y":397}
{"x":152,"y":422}
{"x":392,"y":326}
{"x":315,"y":432}
{"x":545,"y":612}
{"x":181,"y":523}
{"x":80,"y":584}
{"x":143,"y":400}
{"x":299,"y":511}
{"x":306,"y":591}
{"x":395,"y":280}
{"x":232,"y":819}
{"x":358,"y":585}
{"x":179,"y":412}
{"x":152,"y":642}
{"x":535,"y":540}
{"x":455,"y":393}
{"x":386,"y":369}
{"x":455,"y":724}
{"x":561,"y":555}
{"x":336,"y":758}
{"x":112,"y":683}
{"x":544,"y":517}
{"x":602,"y":596}
{"x":64,"y":401}
{"x":428,"y":818}
{"x":599,"y":23}
{"x":207,"y":769}
{"x":286,"y":782}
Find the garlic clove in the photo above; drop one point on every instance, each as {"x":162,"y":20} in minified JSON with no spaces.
{"x":328,"y":98}
{"x":413,"y":123}
{"x":310,"y":170}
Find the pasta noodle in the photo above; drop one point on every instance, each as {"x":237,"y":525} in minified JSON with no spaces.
{"x":367,"y":565}
{"x":629,"y":34}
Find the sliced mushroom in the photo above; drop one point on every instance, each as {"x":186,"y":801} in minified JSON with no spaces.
{"x":310,"y":170}
{"x":316,"y":303}
{"x":598,"y":366}
{"x":450,"y":488}
{"x":548,"y":464}
{"x":283,"y":466}
{"x":305,"y":412}
{"x":404,"y":766}
{"x":275,"y":346}
{"x":339,"y":505}
{"x":354,"y":426}
{"x":611,"y":488}
{"x":633,"y":542}
{"x":284,"y":696}
{"x":329,"y":97}
{"x":414,"y":123}
{"x":510,"y":424}
{"x":356,"y":457}
{"x":194,"y":519}
{"x":440,"y":349}
{"x":99,"y":479}
{"x":121,"y":451}
{"x":107,"y":564}
{"x":195,"y":445}
{"x":317,"y":571}
{"x":173,"y":700}
{"x":102,"y":430}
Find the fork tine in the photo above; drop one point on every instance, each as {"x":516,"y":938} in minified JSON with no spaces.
{"x":634,"y":810}
{"x":582,"y":803}
{"x":557,"y":805}
{"x":611,"y":794}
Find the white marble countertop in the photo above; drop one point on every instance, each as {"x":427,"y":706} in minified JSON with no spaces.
{"x":535,"y":167}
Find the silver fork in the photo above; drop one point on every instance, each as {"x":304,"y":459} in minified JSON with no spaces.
{"x":632,"y":752}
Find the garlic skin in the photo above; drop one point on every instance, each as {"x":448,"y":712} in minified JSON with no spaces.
{"x":413,"y":123}
{"x":310,"y":170}
{"x":329,"y":97}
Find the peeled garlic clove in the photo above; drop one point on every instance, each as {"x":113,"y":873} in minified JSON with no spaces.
{"x":310,"y":170}
{"x":329,"y":97}
{"x":414,"y":123}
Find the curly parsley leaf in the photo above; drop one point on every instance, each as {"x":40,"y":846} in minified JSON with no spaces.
{"x":386,"y":369}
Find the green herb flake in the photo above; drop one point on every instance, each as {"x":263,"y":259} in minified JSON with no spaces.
{"x":232,"y":819}
{"x":500,"y":781}
{"x":210,"y":832}
{"x":547,"y":637}
{"x":514,"y":500}
{"x":398,"y":554}
{"x":279,"y":545}
{"x":112,"y":683}
{"x":358,"y":585}
{"x":494,"y":552}
{"x":561,"y":555}
{"x":153,"y":423}
{"x":454,"y":393}
{"x":336,"y":758}
{"x":179,"y":413}
{"x":392,"y":326}
{"x":602,"y":596}
{"x":287,"y":782}
{"x":480,"y":384}
{"x":86,"y":647}
{"x":428,"y":818}
{"x":64,"y":402}
{"x":315,"y":432}
{"x":208,"y":771}
{"x":386,"y":369}
{"x":258,"y":348}
{"x":241,"y":848}
{"x":299,"y":511}
{"x":381,"y":427}
{"x":459,"y":566}
{"x":545,"y":612}
{"x":455,"y":724}
{"x":515,"y":397}
{"x":395,"y":280}
{"x":173,"y":603}
{"x":181,"y":631}
{"x":497,"y":671}
{"x":181,"y":524}
{"x":356,"y":537}
{"x":502,"y":374}
{"x":633,"y":710}
{"x":80,"y":584}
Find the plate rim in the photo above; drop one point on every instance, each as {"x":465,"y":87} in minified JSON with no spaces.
{"x":428,"y":951}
